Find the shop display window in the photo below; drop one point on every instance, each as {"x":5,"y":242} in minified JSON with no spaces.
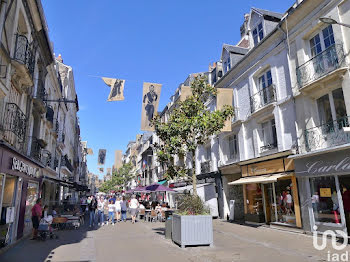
{"x":284,"y":204}
{"x":254,"y":199}
{"x":324,"y":200}
{"x":32,"y":196}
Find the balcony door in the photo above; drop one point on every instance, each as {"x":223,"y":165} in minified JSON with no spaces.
{"x":323,"y":52}
{"x":332,"y":119}
{"x":265,"y":82}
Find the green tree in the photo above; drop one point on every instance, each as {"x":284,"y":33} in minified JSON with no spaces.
{"x":120,"y":178}
{"x":190,"y":125}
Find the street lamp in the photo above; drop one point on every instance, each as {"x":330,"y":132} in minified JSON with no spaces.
{"x":331,"y":21}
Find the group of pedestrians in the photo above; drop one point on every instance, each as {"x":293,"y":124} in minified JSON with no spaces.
{"x":110,"y":210}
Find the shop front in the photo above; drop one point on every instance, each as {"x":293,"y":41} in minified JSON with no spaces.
{"x":270,"y":193}
{"x":19,"y":190}
{"x":324,"y":186}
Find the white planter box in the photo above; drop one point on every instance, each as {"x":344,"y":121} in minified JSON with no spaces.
{"x":192,"y":230}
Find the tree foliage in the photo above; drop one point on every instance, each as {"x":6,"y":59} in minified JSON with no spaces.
{"x":190,"y":125}
{"x":119,"y":179}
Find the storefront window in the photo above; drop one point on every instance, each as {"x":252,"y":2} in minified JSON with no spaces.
{"x":32,"y":196}
{"x":324,"y":199}
{"x":254,"y":199}
{"x":284,"y":202}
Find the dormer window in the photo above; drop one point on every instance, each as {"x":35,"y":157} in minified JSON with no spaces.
{"x":228,"y":64}
{"x":258,"y":34}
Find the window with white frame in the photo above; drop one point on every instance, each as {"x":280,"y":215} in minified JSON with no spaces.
{"x":323,"y":52}
{"x":268,"y":135}
{"x":331,"y":109}
{"x":322,"y":41}
{"x":232,"y":147}
{"x":266,"y":88}
{"x":258,"y":34}
{"x":228,"y":64}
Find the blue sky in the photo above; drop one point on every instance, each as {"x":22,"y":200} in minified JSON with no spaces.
{"x":159,"y":41}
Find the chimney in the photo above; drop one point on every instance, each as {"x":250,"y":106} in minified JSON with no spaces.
{"x":59,"y":58}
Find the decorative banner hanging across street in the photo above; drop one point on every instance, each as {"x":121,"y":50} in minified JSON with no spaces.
{"x":90,"y":152}
{"x":101,"y":169}
{"x":150,"y":101}
{"x":118,"y":154}
{"x":117,"y":88}
{"x":186,"y":92}
{"x":101,"y":157}
{"x":224,"y":97}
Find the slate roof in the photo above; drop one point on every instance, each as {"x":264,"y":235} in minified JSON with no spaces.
{"x":235,"y":49}
{"x":268,"y":13}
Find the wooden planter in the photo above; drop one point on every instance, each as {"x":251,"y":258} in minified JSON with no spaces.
{"x":192,"y":230}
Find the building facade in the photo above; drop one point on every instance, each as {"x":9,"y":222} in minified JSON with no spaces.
{"x":31,"y":117}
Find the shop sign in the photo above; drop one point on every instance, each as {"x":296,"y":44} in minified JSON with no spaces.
{"x":263,"y":168}
{"x":325,"y":192}
{"x":22,"y":167}
{"x":326,"y":164}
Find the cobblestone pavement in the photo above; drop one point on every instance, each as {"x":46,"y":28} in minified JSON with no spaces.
{"x":146,"y":242}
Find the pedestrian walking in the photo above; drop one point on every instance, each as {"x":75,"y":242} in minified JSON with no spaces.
{"x":133,"y":205}
{"x":111,"y":211}
{"x":36,"y":216}
{"x":100,"y":211}
{"x":117,"y":209}
{"x":123,"y":208}
{"x":92,"y":210}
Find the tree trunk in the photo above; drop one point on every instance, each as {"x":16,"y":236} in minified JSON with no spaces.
{"x":194,"y":177}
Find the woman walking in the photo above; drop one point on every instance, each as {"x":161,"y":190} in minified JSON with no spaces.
{"x":123,"y":208}
{"x":117,"y":208}
{"x":111,"y":210}
{"x":134,"y":205}
{"x":100,"y":211}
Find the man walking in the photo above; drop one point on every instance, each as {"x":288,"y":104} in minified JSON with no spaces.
{"x":36,"y":216}
{"x":92,"y":210}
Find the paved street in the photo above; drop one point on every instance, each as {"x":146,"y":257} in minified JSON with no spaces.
{"x":146,"y":242}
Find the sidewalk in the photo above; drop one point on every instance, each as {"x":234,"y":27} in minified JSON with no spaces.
{"x":145,"y":242}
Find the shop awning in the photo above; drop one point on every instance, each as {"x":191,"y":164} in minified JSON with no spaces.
{"x":259,"y":179}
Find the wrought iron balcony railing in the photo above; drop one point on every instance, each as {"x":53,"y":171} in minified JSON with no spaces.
{"x":24,"y":53}
{"x":36,"y":149}
{"x":320,"y":65}
{"x":65,"y":162}
{"x":206,"y":167}
{"x":46,"y":158}
{"x":327,"y":135}
{"x":15,"y":121}
{"x":268,"y":147}
{"x":49,"y":114}
{"x":41,"y":92}
{"x":262,"y":98}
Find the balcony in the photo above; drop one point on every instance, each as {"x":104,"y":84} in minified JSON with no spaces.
{"x":14,"y":125}
{"x":263,"y":98}
{"x":24,"y":60}
{"x":46,"y":158}
{"x":268,"y":147}
{"x":327,"y":135}
{"x":321,"y":65}
{"x":66,"y":163}
{"x":36,"y":151}
{"x":206,"y":167}
{"x":39,"y":99}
